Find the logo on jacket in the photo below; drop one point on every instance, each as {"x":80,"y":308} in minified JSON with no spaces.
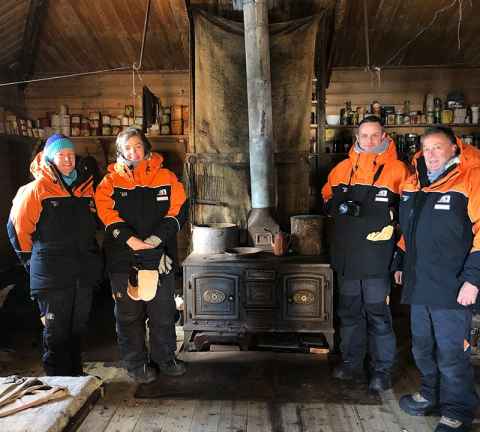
{"x":116,"y":232}
{"x":405,"y":198}
{"x":443,"y":203}
{"x":123,"y":194}
{"x":162,"y":195}
{"x":382,"y":196}
{"x":55,"y":203}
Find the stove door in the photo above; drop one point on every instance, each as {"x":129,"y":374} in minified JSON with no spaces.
{"x":215,"y":296}
{"x":304,"y":296}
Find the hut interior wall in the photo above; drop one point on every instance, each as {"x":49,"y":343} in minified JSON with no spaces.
{"x":12,"y":166}
{"x":109,"y":93}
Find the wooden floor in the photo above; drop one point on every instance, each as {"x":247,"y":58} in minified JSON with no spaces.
{"x":119,"y":411}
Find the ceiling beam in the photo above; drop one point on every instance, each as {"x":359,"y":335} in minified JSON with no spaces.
{"x":35,"y":18}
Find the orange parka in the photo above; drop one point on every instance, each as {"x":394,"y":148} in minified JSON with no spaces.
{"x":52,"y":228}
{"x":363,"y":240}
{"x":147,"y":200}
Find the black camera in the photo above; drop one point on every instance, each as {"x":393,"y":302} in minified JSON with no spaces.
{"x":349,"y":208}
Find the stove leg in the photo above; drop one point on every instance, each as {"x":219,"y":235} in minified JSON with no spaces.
{"x":330,"y":341}
{"x":187,"y":337}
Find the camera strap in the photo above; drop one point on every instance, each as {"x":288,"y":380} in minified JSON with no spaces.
{"x":367,"y":194}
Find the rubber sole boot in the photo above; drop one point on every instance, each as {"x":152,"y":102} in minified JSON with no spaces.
{"x":447,"y":424}
{"x":415,"y":408}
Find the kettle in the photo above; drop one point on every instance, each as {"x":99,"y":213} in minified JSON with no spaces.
{"x":280,"y":243}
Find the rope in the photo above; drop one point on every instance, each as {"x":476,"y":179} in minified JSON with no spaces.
{"x":430,"y":24}
{"x":144,"y":37}
{"x":65,"y":76}
{"x":135,"y":67}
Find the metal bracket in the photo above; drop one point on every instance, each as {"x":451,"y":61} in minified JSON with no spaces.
{"x":239,"y":4}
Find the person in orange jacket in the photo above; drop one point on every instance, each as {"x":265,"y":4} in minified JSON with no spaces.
{"x":362,"y":194}
{"x":143,"y":206}
{"x":52,"y":228}
{"x":440,"y":272}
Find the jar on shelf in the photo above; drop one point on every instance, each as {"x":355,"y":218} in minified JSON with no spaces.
{"x":475,"y":113}
{"x":447,"y":116}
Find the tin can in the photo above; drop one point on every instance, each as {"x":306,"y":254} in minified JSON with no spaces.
{"x":55,"y":120}
{"x":106,"y":130}
{"x":176,"y":112}
{"x":475,"y":114}
{"x":129,"y":111}
{"x":447,"y":116}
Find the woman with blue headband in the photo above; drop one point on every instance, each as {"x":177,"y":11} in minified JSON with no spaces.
{"x":52,"y":228}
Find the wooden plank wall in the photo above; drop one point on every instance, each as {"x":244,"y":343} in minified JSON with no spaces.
{"x":394,"y":86}
{"x":11,"y":98}
{"x":108,"y":93}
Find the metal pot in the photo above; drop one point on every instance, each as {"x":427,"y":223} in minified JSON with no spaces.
{"x":214,"y":238}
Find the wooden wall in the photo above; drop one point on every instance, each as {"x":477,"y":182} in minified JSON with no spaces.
{"x":394,"y":86}
{"x":12,"y":168}
{"x":108,"y":93}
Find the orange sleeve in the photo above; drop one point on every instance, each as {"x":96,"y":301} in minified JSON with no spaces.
{"x":471,"y":268}
{"x":24,"y":215}
{"x":110,"y":217}
{"x":105,"y":203}
{"x":177,"y":196}
{"x":177,"y":214}
{"x":327,"y":191}
{"x":474,"y":206}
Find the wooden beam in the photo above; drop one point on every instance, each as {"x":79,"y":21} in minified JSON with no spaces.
{"x":35,"y":18}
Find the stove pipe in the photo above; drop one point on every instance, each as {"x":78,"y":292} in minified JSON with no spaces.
{"x":262,"y":168}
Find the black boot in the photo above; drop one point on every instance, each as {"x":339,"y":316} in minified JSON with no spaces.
{"x":380,"y":382}
{"x":346,"y":372}
{"x":172,"y":367}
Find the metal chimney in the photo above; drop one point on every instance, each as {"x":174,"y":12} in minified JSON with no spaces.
{"x":259,"y":92}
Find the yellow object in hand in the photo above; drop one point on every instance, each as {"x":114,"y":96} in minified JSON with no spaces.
{"x":385,"y":234}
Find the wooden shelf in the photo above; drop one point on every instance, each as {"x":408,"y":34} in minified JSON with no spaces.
{"x":112,"y":137}
{"x":24,"y":137}
{"x":406,"y":126}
